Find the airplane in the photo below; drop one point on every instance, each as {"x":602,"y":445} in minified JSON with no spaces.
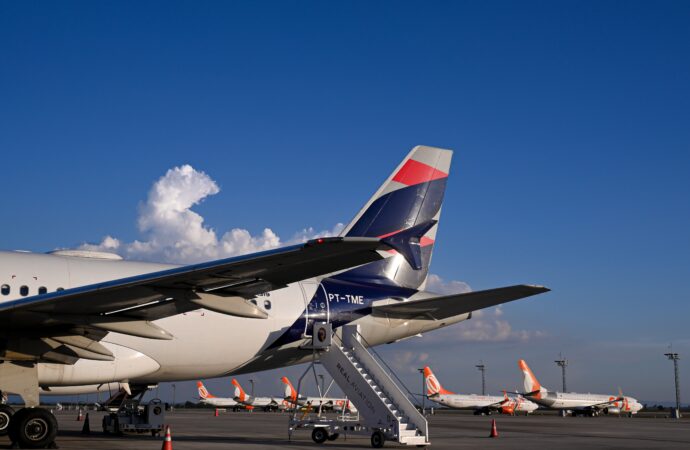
{"x":329,"y":403}
{"x":75,"y":318}
{"x":579,"y":404}
{"x":480,"y":404}
{"x":241,"y":397}
{"x":209,"y":399}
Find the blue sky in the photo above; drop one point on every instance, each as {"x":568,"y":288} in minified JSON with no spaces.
{"x":569,"y":121}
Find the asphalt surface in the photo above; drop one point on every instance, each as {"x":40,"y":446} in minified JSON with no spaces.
{"x":199,"y":429}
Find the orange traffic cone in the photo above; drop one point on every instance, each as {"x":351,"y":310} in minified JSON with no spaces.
{"x":86,"y":429}
{"x":494,"y":432}
{"x":216,"y":413}
{"x":167,"y":442}
{"x":80,"y":415}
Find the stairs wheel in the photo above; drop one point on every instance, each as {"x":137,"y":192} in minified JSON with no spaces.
{"x":319,"y":435}
{"x":333,"y":436}
{"x":377,"y":439}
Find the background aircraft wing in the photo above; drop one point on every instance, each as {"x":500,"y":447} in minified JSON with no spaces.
{"x":498,"y":405}
{"x":605,"y":404}
{"x":75,"y":318}
{"x":437,"y":308}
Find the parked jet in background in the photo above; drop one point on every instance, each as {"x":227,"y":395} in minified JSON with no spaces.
{"x":480,"y":404}
{"x":75,"y":318}
{"x":267,"y":403}
{"x":584,"y":404}
{"x":329,"y":403}
{"x":209,"y":399}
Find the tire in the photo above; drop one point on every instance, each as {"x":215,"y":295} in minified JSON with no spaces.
{"x":319,"y":435}
{"x":377,"y":439}
{"x":33,"y":428}
{"x":333,"y":437}
{"x":116,"y":426}
{"x":6,"y":413}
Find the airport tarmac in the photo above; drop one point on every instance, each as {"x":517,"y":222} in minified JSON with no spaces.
{"x":199,"y":429}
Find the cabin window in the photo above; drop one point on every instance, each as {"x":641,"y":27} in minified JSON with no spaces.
{"x":5,"y":289}
{"x":267,"y":304}
{"x":42,"y":290}
{"x":24,"y":291}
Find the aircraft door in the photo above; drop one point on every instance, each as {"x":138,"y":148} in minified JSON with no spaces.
{"x":316,"y":305}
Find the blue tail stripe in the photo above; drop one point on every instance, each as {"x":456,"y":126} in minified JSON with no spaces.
{"x":401,"y":209}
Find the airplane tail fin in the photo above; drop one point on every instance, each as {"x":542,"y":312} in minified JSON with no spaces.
{"x":433,"y":386}
{"x":290,"y":392}
{"x":531,"y":384}
{"x":239,"y":392}
{"x":203,"y":392}
{"x":411,"y":197}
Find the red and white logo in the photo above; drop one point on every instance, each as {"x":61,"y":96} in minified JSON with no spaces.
{"x":432,"y":385}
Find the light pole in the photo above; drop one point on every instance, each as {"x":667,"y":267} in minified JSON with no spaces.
{"x":252,"y":382}
{"x":563,"y":363}
{"x":674,"y":357}
{"x":173,"y":402}
{"x":421,"y":371}
{"x":482,"y":369}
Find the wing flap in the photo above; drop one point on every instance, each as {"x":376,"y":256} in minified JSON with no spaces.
{"x":438,"y":308}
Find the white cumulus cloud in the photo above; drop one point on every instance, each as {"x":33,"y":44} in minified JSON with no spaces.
{"x":172,"y":232}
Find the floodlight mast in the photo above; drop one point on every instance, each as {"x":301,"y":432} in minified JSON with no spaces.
{"x":563,"y":363}
{"x":675,"y":357}
{"x":482,"y":369}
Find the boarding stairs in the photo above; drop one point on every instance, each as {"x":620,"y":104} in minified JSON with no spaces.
{"x":382,"y":405}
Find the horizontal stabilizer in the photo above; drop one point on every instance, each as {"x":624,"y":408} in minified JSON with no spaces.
{"x":407,"y":243}
{"x":437,"y":308}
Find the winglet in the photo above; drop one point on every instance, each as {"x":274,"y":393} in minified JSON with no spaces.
{"x":407,"y":243}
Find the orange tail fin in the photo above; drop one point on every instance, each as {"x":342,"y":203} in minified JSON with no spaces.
{"x":433,"y":386}
{"x":290,"y":391}
{"x":203,"y":392}
{"x":239,"y":392}
{"x":531,"y":383}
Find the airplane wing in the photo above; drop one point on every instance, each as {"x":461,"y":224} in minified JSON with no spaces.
{"x":601,"y":405}
{"x":69,"y":322}
{"x":438,"y":308}
{"x":497,"y":405}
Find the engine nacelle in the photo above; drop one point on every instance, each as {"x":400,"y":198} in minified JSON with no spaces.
{"x":128,"y":364}
{"x":612,"y":410}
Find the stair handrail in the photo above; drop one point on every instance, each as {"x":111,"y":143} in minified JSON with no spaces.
{"x":380,"y":358}
{"x":413,"y":415}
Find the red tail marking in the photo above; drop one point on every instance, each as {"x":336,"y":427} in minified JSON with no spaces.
{"x":415,"y":172}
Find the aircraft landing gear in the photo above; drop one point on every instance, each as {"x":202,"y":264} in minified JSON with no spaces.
{"x":33,"y":428}
{"x":6,"y":413}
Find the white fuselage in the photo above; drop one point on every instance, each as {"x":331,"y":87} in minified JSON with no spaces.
{"x":479,"y":402}
{"x":575,"y":401}
{"x":469,"y":401}
{"x":219,"y":402}
{"x":205,"y":344}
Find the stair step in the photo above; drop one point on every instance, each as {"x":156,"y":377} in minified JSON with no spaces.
{"x":413,"y":440}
